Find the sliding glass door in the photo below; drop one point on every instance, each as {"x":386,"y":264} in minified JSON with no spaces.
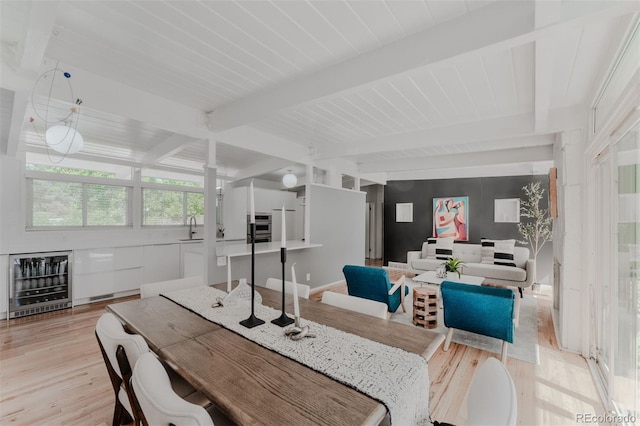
{"x":626,"y":295}
{"x":616,"y":294}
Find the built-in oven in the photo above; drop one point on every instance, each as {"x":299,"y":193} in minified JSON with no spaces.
{"x":263,"y":228}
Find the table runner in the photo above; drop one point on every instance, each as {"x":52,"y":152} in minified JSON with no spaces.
{"x":395,"y":377}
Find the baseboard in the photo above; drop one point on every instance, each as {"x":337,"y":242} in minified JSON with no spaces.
{"x":324,"y":287}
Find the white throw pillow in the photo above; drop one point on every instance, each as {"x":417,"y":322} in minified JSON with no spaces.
{"x":502,"y":252}
{"x":444,"y":248}
{"x":431,"y":248}
{"x":487,"y":250}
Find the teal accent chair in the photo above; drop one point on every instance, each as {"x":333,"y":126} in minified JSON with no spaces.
{"x":373,"y":284}
{"x":479,"y":309}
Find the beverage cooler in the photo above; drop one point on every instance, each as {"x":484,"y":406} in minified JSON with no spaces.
{"x":39,"y":282}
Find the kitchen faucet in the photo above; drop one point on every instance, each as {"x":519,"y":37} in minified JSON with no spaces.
{"x":192,"y":221}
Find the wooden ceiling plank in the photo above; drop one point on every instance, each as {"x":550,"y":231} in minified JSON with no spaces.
{"x":547,"y":12}
{"x":167,"y":148}
{"x":437,"y":44}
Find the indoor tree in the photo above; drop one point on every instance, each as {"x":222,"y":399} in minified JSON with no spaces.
{"x":536,"y":230}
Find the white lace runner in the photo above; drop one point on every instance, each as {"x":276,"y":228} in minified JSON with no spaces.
{"x":397,"y":378}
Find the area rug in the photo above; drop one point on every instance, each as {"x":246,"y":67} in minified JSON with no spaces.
{"x":525,"y":342}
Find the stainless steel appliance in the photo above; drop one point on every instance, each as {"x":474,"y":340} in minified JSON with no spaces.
{"x":263,"y":228}
{"x":39,"y":282}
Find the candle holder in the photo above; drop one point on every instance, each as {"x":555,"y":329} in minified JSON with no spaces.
{"x":297,"y":332}
{"x":252,"y":321}
{"x":283,"y":319}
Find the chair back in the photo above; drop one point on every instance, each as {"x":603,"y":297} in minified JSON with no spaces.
{"x":356,"y":304}
{"x":276,"y":284}
{"x":155,"y":289}
{"x":159,"y":403}
{"x":479,"y":309}
{"x":371,"y":283}
{"x":111,"y":334}
{"x":492,"y":398}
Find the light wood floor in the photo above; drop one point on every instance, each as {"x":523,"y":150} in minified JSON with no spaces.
{"x":51,"y":372}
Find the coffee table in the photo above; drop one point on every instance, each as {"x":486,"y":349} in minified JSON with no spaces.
{"x":430,"y":277}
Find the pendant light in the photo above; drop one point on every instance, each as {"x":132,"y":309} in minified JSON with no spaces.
{"x":289,"y":180}
{"x":61,"y":134}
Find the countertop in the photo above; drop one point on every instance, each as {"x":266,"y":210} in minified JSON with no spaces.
{"x":274,"y":246}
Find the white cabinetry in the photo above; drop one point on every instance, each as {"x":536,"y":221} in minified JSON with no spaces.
{"x":105,"y":271}
{"x":4,"y":284}
{"x":192,"y":264}
{"x":161,"y":262}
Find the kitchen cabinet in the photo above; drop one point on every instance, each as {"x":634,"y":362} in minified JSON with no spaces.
{"x":105,"y":271}
{"x":161,"y":262}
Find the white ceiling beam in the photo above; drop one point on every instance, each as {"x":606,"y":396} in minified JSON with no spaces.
{"x":262,"y":167}
{"x":498,"y":26}
{"x":505,"y":156}
{"x":165,"y":149}
{"x":510,"y":169}
{"x":485,"y":130}
{"x":42,"y":17}
{"x":18,"y":114}
{"x":547,"y":12}
{"x":265,"y":143}
{"x":485,"y":27}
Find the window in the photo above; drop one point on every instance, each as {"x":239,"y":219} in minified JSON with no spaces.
{"x":167,"y":207}
{"x":77,"y":204}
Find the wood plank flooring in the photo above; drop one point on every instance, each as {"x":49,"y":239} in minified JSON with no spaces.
{"x":52,"y":373}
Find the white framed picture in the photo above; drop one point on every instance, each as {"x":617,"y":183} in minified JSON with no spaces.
{"x":507,"y":210}
{"x":404,"y":212}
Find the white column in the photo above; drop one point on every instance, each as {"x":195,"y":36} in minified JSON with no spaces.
{"x":210,"y":228}
{"x":568,"y":241}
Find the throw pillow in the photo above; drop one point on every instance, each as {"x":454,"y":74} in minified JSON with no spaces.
{"x":444,"y":248}
{"x":502,"y":251}
{"x":431,"y":248}
{"x":486,"y":251}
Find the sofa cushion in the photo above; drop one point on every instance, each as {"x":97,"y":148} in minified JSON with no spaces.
{"x":429,"y":249}
{"x":499,"y":272}
{"x":502,"y":252}
{"x":468,"y":253}
{"x":426,"y":264}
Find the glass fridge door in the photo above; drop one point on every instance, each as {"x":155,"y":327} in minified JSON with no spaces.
{"x":40,"y":282}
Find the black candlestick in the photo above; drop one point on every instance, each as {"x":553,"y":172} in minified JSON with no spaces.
{"x":283,"y":319}
{"x":252,"y":321}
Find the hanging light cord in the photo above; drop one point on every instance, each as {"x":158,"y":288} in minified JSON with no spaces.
{"x":68,"y":118}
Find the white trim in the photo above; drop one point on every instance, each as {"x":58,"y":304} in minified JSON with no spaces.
{"x":62,"y":177}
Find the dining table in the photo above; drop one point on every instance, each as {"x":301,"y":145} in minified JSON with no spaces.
{"x":253,"y":385}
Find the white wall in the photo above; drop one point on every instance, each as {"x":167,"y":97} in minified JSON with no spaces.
{"x":569,"y":152}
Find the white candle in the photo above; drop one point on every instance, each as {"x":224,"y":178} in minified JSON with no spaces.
{"x":252,"y":206}
{"x":283,"y":239}
{"x":296,"y":308}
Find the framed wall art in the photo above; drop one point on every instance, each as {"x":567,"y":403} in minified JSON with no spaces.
{"x":451,"y":218}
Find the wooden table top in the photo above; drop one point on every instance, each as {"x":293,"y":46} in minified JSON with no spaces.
{"x":253,"y":385}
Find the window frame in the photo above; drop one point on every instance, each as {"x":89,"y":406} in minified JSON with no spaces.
{"x":31,"y":175}
{"x":168,"y":187}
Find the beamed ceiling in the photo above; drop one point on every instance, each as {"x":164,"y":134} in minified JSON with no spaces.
{"x":375,"y":89}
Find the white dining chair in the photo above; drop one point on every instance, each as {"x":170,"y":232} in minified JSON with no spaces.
{"x":492,"y":396}
{"x":276,"y":284}
{"x":121,"y":351}
{"x":159,"y":287}
{"x":356,"y":304}
{"x":159,"y":403}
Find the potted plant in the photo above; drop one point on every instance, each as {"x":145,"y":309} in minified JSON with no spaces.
{"x":537,"y":229}
{"x":454,"y":265}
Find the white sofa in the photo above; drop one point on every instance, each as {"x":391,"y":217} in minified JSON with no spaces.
{"x":518,"y":276}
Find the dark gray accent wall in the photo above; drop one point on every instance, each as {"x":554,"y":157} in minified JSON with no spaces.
{"x":405,"y":236}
